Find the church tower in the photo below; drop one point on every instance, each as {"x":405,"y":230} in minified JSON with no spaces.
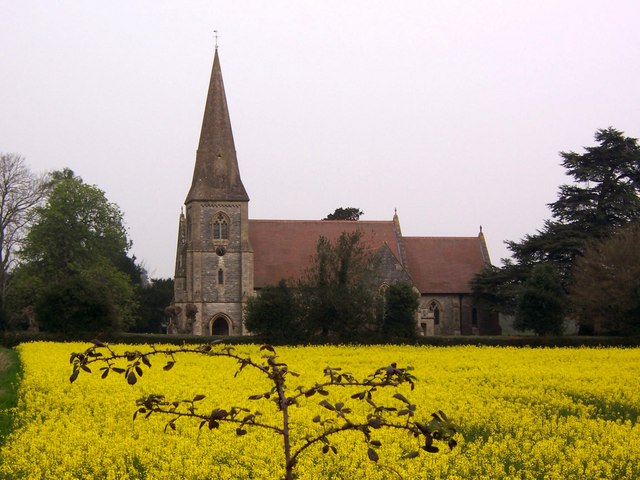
{"x":214,"y":258}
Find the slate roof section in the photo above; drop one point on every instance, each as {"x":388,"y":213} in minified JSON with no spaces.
{"x":283,"y":249}
{"x":445,"y":264}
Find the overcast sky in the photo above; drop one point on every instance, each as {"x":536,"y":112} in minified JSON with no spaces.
{"x":453,"y":112}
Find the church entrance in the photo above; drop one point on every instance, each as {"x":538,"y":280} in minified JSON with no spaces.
{"x":220,"y":326}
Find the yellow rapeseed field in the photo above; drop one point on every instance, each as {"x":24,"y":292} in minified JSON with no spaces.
{"x":522,"y":414}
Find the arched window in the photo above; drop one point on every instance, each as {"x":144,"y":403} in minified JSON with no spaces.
{"x":436,"y":310}
{"x":220,"y":277}
{"x":220,"y":227}
{"x":474,"y":317}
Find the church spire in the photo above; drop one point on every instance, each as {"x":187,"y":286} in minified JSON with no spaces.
{"x":216,"y":175}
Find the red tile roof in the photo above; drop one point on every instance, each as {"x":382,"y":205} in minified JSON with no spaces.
{"x":283,"y":249}
{"x":444,"y":264}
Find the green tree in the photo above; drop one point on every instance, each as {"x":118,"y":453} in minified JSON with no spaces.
{"x":337,"y":297}
{"x":348,"y":213}
{"x":541,"y":302}
{"x":605,"y":292}
{"x":78,"y":237}
{"x":603,"y":196}
{"x":76,"y":304}
{"x":273,"y":314}
{"x":399,"y":314}
{"x":154,"y":297}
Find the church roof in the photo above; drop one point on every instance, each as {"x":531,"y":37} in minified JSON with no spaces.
{"x":216,"y":175}
{"x":445,"y":264}
{"x":283,"y":249}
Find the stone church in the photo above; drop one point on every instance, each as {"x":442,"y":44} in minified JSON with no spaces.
{"x":223,"y":257}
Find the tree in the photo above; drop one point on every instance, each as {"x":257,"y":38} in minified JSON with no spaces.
{"x":399,"y":316}
{"x":605,"y":292}
{"x":154,"y":297}
{"x":603,"y":196}
{"x":76,"y":304}
{"x":337,"y":297}
{"x":338,"y":418}
{"x":77,"y":237}
{"x":541,"y":302}
{"x":349,"y":213}
{"x":20,"y":192}
{"x":273,"y":314}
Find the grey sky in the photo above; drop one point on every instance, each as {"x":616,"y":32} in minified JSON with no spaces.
{"x":453,"y":112}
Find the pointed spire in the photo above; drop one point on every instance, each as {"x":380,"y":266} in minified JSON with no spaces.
{"x":216,"y":175}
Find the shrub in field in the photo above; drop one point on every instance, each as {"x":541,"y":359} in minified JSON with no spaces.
{"x":338,"y":419}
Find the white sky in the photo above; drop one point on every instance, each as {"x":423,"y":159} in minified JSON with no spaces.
{"x":453,"y":112}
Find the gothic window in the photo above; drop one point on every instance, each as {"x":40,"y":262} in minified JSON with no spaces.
{"x":220,"y":277}
{"x":220,"y":227}
{"x":436,"y":310}
{"x":474,"y":317}
{"x":383,"y":298}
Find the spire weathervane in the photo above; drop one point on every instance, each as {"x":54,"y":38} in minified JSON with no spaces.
{"x":215,"y":33}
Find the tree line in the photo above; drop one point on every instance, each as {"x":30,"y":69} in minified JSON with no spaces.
{"x":65,"y":264}
{"x":584,"y":263}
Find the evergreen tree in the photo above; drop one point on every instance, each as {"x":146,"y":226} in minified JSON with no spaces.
{"x":541,"y":302}
{"x":603,"y":196}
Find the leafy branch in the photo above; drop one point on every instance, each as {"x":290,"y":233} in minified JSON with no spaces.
{"x":338,"y":417}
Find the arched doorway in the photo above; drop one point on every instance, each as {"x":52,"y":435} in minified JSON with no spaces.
{"x":220,"y":326}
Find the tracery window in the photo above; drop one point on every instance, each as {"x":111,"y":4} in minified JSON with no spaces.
{"x":221,"y":227}
{"x":435,"y":309}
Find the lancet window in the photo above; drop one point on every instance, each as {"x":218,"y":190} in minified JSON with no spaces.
{"x":220,"y":227}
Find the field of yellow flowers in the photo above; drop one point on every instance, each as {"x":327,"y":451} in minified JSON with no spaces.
{"x":522,"y":414}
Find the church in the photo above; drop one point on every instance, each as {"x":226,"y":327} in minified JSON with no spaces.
{"x":223,"y":257}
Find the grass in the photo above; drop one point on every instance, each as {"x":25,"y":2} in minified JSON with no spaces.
{"x":9,"y":369}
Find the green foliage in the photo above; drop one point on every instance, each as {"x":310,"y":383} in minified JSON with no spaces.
{"x":400,"y":417}
{"x":154,"y":297}
{"x":78,"y":240}
{"x":603,"y":196}
{"x":336,"y":301}
{"x":605,"y":292}
{"x":348,"y":213}
{"x":399,"y":318}
{"x":541,"y":302}
{"x":496,"y":289}
{"x":338,"y":293}
{"x":274,"y":314}
{"x":78,"y":226}
{"x":75,"y":304}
